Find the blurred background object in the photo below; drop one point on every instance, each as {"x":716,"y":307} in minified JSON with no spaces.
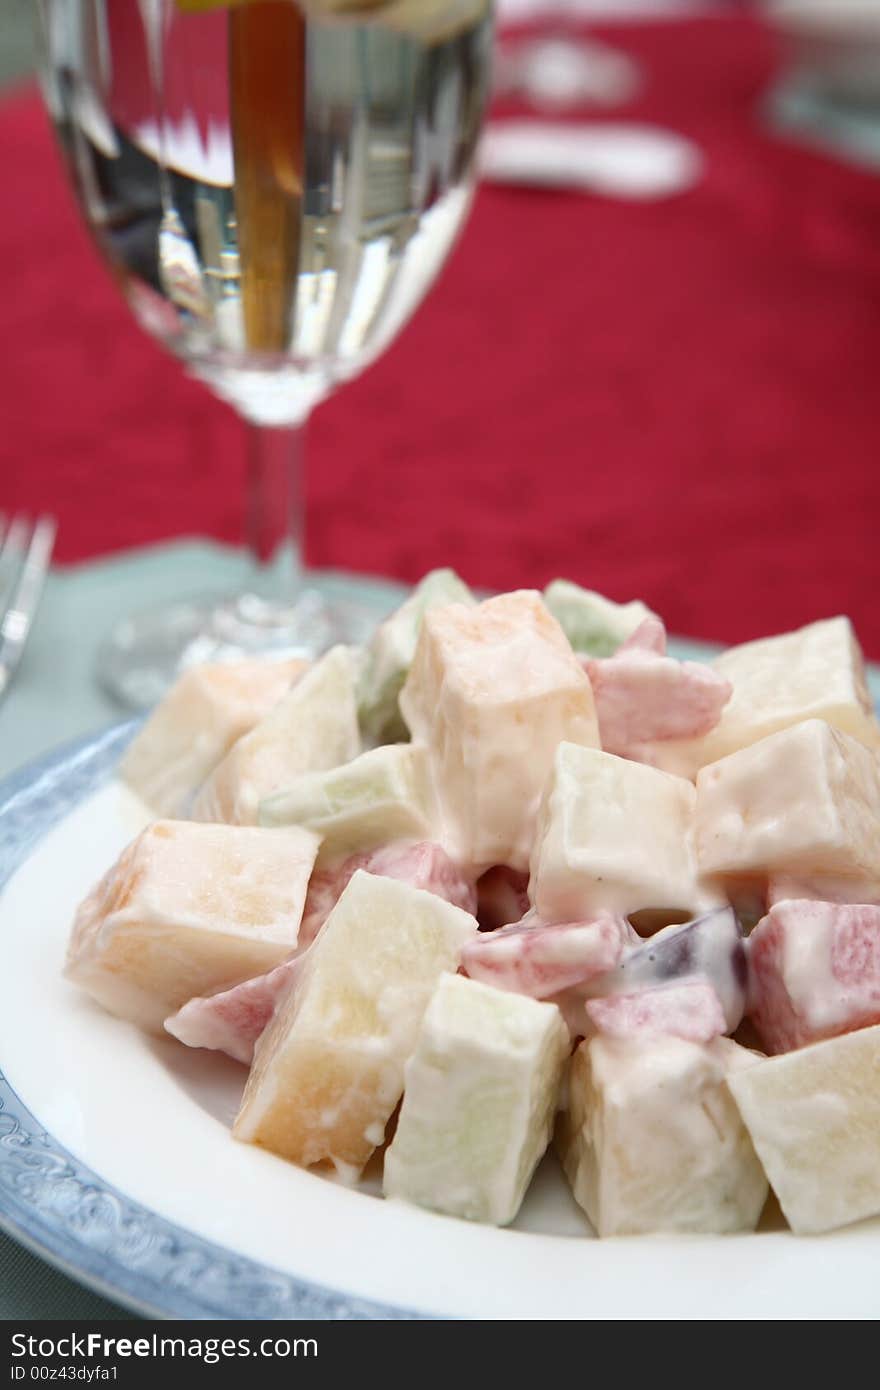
{"x":829,"y":91}
{"x":274,"y":193}
{"x":672,"y":397}
{"x":546,"y":58}
{"x":16,"y":40}
{"x":618,"y":160}
{"x":564,"y":69}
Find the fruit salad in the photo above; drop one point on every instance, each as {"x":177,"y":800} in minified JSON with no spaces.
{"x":512,"y":877}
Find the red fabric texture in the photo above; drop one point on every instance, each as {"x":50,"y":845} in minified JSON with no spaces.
{"x":675,"y":400}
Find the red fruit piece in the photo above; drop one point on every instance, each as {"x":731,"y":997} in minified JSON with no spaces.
{"x":423,"y":864}
{"x":642,"y":698}
{"x":542,"y":960}
{"x":709,"y":948}
{"x":814,"y":972}
{"x":691,"y":1010}
{"x":855,"y":951}
{"x":233,"y":1020}
{"x":649,"y":636}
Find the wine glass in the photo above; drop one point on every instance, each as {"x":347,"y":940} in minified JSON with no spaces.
{"x":275,"y":187}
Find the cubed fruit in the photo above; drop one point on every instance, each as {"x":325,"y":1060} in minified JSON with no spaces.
{"x":312,"y":728}
{"x":491,"y":693}
{"x":186,"y":910}
{"x":821,"y":888}
{"x":814,"y":1119}
{"x":816,"y":672}
{"x":690,"y":1010}
{"x":805,"y":800}
{"x":710,"y":948}
{"x":652,"y":1140}
{"x":197,"y":723}
{"x":328,"y":1071}
{"x":386,"y":794}
{"x":643,"y":698}
{"x":814,"y":972}
{"x":540,"y":960}
{"x":234,"y":1019}
{"x":649,"y":636}
{"x":479,"y":1100}
{"x":418,"y":863}
{"x":614,"y":835}
{"x":593,"y":624}
{"x":389,"y":654}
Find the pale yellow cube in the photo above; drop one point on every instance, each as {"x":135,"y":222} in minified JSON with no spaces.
{"x":614,"y":835}
{"x":188,"y":910}
{"x":814,"y":1119}
{"x":492,"y":692}
{"x":201,"y":717}
{"x":311,"y":728}
{"x":652,"y":1140}
{"x":805,"y":800}
{"x":817,"y":672}
{"x":328,"y":1071}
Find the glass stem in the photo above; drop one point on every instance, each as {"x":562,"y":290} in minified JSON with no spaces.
{"x":274,"y":520}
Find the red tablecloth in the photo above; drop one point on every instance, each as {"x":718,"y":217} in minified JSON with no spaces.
{"x":676,"y":400}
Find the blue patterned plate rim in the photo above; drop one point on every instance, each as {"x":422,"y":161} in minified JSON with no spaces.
{"x":64,"y":1211}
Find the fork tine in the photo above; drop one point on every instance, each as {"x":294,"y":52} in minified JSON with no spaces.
{"x":18,"y":614}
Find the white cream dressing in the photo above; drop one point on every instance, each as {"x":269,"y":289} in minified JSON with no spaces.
{"x":371,"y":973}
{"x":313,"y":727}
{"x":614,"y":835}
{"x":654,"y":1141}
{"x":491,"y":693}
{"x":505,"y":769}
{"x":814,"y":1118}
{"x":805,"y":800}
{"x":480,"y":1097}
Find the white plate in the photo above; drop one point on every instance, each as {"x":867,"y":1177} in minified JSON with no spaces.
{"x":116,"y":1161}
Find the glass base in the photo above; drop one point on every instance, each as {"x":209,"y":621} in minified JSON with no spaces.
{"x":144,"y":655}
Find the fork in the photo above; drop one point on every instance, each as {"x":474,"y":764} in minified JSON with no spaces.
{"x":25,"y":552}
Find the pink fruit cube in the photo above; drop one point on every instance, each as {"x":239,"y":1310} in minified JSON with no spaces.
{"x":644,"y":698}
{"x":709,"y":948}
{"x":233,"y":1020}
{"x":421,"y":864}
{"x":814,"y":971}
{"x":649,"y":636}
{"x":542,"y":960}
{"x":690,"y":1010}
